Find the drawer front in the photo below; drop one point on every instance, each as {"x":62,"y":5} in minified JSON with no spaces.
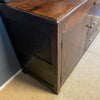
{"x":95,"y":19}
{"x":95,"y":25}
{"x":92,"y":36}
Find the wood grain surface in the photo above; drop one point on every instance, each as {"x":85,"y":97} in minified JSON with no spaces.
{"x":58,"y":45}
{"x":48,"y":8}
{"x":83,"y":83}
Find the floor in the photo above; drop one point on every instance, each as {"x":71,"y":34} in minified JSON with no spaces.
{"x":82,"y":84}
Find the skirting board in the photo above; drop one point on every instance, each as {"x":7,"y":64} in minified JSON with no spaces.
{"x":12,"y":78}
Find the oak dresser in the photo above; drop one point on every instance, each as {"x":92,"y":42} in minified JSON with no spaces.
{"x":50,"y":36}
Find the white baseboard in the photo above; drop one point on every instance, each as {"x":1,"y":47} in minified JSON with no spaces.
{"x":8,"y":81}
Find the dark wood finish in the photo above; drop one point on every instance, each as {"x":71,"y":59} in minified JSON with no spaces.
{"x":49,"y":8}
{"x":95,"y":23}
{"x":73,"y":48}
{"x":50,"y":36}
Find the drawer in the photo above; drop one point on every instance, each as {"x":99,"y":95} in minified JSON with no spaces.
{"x":95,"y":19}
{"x":92,"y":36}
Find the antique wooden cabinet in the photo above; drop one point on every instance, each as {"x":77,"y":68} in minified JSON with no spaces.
{"x":50,"y":36}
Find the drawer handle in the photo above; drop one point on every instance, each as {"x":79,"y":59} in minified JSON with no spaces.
{"x":95,"y":23}
{"x":91,"y":39}
{"x":90,"y":26}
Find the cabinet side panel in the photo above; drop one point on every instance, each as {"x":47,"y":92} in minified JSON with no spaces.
{"x":30,"y":33}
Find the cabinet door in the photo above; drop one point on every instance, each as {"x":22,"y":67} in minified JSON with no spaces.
{"x":73,"y":48}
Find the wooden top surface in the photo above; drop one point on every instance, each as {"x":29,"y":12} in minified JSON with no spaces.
{"x":54,"y":9}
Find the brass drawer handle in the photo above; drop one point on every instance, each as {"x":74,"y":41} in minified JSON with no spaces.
{"x":91,"y":39}
{"x":90,"y":26}
{"x":95,"y":23}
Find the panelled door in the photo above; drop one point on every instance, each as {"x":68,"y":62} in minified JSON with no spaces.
{"x":73,"y":48}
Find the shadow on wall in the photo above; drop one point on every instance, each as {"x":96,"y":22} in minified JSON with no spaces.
{"x":8,"y":61}
{"x":4,"y":0}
